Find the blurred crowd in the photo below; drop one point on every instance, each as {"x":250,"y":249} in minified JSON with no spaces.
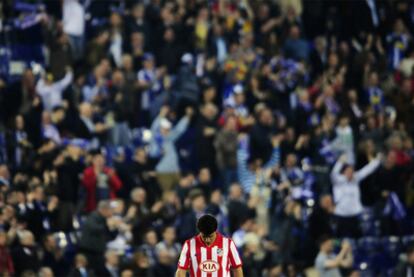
{"x":123,"y":121}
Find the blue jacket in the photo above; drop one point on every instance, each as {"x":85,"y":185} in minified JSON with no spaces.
{"x":164,"y":147}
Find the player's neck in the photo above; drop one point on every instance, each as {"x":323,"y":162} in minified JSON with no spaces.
{"x":211,"y":241}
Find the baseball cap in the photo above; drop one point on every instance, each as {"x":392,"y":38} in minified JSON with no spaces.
{"x":148,"y":56}
{"x":165,"y":123}
{"x":187,"y":58}
{"x":238,"y":89}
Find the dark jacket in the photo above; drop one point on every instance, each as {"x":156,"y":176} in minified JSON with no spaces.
{"x":68,"y":180}
{"x":76,"y":273}
{"x":402,"y":270}
{"x":25,"y":258}
{"x":226,"y":146}
{"x":95,"y":234}
{"x":205,"y":144}
{"x":260,"y":142}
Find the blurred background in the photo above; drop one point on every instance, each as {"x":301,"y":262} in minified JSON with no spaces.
{"x":122,"y":122}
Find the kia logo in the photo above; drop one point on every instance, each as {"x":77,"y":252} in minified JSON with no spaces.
{"x":209,"y":266}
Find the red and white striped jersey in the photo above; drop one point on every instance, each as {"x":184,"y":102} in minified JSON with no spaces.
{"x":215,"y":260}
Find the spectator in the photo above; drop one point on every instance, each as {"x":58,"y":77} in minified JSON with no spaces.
{"x":17,"y":143}
{"x":226,"y":149}
{"x":53,"y":256}
{"x":74,"y":25}
{"x":25,"y":256}
{"x":206,"y":130}
{"x":98,"y":229}
{"x":100,"y":182}
{"x":295,"y":47}
{"x":162,"y":146}
{"x":120,"y":131}
{"x":96,"y":49}
{"x":81,"y":267}
{"x":149,"y":80}
{"x":405,"y":268}
{"x":86,"y":127}
{"x":45,"y":272}
{"x":143,"y":173}
{"x":168,"y":244}
{"x":398,"y":41}
{"x":141,"y":266}
{"x":188,"y":220}
{"x":165,"y":265}
{"x":110,"y":269}
{"x":237,"y":207}
{"x":329,"y":264}
{"x":204,"y":182}
{"x":60,"y":52}
{"x":21,"y":95}
{"x":6,"y":261}
{"x":260,"y":145}
{"x":39,"y":213}
{"x":321,"y":223}
{"x":346,"y":194}
{"x":68,"y":167}
{"x":186,"y":84}
{"x":149,"y":246}
{"x":265,"y":70}
{"x":252,"y":168}
{"x":51,"y":90}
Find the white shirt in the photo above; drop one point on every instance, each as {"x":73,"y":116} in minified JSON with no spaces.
{"x":346,"y":193}
{"x":116,"y":48}
{"x":52,"y":93}
{"x":50,"y":131}
{"x":73,"y":18}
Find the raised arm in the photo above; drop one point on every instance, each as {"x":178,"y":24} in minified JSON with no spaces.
{"x":368,"y":169}
{"x":63,"y":83}
{"x":245,"y":175}
{"x":182,"y":125}
{"x":341,"y":259}
{"x":40,"y":87}
{"x":179,"y":129}
{"x":336,"y":171}
{"x":155,"y":126}
{"x":275,"y":157}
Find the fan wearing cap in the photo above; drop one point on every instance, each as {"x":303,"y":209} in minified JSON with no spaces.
{"x":149,"y":80}
{"x":162,"y":146}
{"x":209,"y":254}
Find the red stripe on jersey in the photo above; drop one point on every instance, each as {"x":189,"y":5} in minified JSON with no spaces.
{"x":215,"y":260}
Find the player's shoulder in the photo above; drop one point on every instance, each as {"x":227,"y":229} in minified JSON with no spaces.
{"x":188,"y":241}
{"x":224,"y":237}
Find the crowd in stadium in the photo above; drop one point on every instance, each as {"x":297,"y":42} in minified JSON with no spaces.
{"x":124,"y":121}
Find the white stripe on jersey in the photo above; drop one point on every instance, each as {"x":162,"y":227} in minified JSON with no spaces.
{"x":193,"y":255}
{"x":183,"y":257}
{"x":214,"y":258}
{"x":225,"y":255}
{"x":203,"y":259}
{"x":235,"y":254}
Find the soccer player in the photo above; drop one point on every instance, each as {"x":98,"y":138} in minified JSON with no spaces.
{"x":209,"y":254}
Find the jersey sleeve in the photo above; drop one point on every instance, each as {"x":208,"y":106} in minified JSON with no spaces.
{"x":235,"y":260}
{"x":184,"y":260}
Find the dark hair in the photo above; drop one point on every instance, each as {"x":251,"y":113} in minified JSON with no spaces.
{"x":207,"y":224}
{"x":410,"y":248}
{"x":323,"y":239}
